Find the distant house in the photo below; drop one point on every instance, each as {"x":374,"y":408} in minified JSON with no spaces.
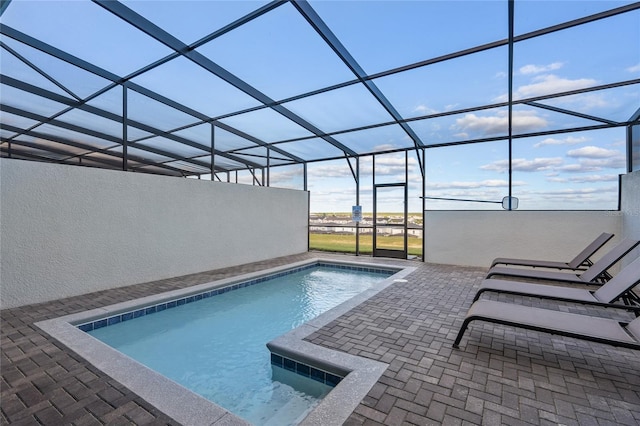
{"x":323,"y":223}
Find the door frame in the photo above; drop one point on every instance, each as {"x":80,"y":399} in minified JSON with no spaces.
{"x":381,"y":252}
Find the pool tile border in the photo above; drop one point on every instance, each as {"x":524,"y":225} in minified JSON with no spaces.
{"x":305,"y":370}
{"x":173,"y":303}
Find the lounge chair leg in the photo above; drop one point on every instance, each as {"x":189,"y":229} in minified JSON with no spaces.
{"x":456,"y":343}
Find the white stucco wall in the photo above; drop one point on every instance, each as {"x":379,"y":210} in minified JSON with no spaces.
{"x":475,"y":238}
{"x":630,"y":210}
{"x":67,"y":230}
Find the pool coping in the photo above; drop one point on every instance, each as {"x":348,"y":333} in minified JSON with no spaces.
{"x":189,"y":408}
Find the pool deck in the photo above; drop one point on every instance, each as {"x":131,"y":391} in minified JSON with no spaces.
{"x":500,"y":374}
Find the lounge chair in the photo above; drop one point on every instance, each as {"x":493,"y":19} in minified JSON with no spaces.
{"x":595,"y":274}
{"x":619,"y":287}
{"x":581,"y":261}
{"x":596,"y":329}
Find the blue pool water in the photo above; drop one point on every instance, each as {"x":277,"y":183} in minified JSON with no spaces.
{"x":217,"y":346}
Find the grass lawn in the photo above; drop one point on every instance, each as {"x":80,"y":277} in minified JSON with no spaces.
{"x":347,"y":243}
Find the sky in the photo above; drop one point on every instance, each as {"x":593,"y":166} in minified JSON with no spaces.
{"x":281,"y":56}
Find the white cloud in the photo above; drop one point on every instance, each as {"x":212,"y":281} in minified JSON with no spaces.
{"x":576,"y":192}
{"x":484,"y":125}
{"x":522,"y":121}
{"x":385,"y":165}
{"x":594,"y":178}
{"x":577,"y":168}
{"x":331,"y":200}
{"x":276,"y":176}
{"x":570,"y":140}
{"x":487,"y":190}
{"x":329,"y":171}
{"x":634,"y":69}
{"x":592,"y":166}
{"x":618,"y":162}
{"x":383,"y":147}
{"x":524,"y":165}
{"x":585,"y":179}
{"x":577,"y":198}
{"x":488,"y":183}
{"x":593,"y":152}
{"x":424,"y":110}
{"x":389,"y":165}
{"x":593,"y":159}
{"x":537,"y":69}
{"x":546,"y":84}
{"x":585,"y":101}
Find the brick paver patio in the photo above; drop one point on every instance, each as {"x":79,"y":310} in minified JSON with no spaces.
{"x":500,"y":375}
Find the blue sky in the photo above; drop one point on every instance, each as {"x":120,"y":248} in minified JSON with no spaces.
{"x":281,"y":56}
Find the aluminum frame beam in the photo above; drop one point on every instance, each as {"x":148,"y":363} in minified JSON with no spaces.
{"x":90,"y":149}
{"x":305,"y":9}
{"x":485,"y":107}
{"x":108,"y":115}
{"x":116,"y":80}
{"x":149,"y":28}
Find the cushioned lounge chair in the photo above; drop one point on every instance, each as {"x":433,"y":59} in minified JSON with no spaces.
{"x":619,"y":287}
{"x":595,"y":274}
{"x":581,"y":261}
{"x":596,"y":329}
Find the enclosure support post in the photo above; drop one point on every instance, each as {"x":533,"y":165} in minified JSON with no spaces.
{"x":304,"y":185}
{"x":304,"y":166}
{"x":357,"y":204}
{"x":268,"y":167}
{"x":124,"y":128}
{"x":374,"y":230}
{"x":406,"y":203}
{"x":424,"y":205}
{"x":213,"y":151}
{"x":511,"y":6}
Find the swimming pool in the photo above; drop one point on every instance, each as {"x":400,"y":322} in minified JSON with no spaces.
{"x":154,"y":388}
{"x":216,"y":344}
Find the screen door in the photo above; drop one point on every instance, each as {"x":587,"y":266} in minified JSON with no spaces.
{"x":390,"y":220}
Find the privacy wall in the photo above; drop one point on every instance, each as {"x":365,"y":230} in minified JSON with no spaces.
{"x":475,"y":238}
{"x":630,"y":210}
{"x":68,"y":230}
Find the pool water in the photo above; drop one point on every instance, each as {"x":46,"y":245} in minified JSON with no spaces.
{"x":216,"y":347}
